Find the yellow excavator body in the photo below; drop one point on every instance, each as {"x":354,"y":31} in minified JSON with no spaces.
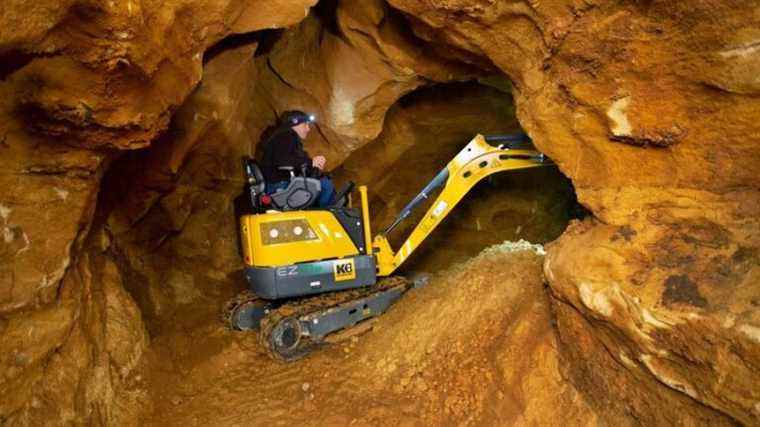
{"x":284,"y":238}
{"x":278,"y":238}
{"x":290,"y":255}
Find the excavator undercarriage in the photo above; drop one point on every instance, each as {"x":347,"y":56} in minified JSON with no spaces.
{"x":290,"y":330}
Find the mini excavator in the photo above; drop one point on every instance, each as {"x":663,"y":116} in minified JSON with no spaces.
{"x":312,"y":272}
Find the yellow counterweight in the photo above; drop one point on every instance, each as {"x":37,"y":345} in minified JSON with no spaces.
{"x":285,"y":238}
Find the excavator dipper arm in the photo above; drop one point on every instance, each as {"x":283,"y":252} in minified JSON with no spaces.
{"x":476,"y":161}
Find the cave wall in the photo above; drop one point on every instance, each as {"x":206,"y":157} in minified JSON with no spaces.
{"x":348,"y":63}
{"x":82,"y":81}
{"x":651,"y":108}
{"x":423,"y":131}
{"x":171,"y":205}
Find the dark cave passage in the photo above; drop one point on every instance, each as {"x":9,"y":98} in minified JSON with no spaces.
{"x":423,"y":131}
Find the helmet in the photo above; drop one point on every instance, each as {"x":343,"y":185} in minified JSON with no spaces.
{"x":296,"y":117}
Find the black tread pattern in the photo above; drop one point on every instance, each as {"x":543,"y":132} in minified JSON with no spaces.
{"x":311,"y":305}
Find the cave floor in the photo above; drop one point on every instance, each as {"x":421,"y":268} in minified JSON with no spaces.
{"x":440,"y":355}
{"x":224,"y":378}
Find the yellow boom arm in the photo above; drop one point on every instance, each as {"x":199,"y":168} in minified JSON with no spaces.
{"x":476,"y":161}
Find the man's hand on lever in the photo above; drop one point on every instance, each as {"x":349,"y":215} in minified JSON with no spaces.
{"x":319,"y":162}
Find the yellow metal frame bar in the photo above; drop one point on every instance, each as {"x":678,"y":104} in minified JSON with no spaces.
{"x":365,"y":218}
{"x":475,"y":162}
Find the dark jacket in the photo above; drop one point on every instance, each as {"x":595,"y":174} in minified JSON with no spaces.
{"x":283,"y":148}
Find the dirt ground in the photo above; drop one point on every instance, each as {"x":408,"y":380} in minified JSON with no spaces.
{"x":475,"y":346}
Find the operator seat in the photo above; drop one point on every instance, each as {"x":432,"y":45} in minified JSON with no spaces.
{"x":300,"y":193}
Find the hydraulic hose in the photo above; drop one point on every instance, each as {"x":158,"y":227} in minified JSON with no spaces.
{"x":435,"y":183}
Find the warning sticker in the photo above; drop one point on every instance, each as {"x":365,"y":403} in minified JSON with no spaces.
{"x":439,"y":209}
{"x":344,"y":269}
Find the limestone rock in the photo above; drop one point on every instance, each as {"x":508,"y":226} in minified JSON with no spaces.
{"x":110,"y":74}
{"x":74,"y":360}
{"x":422,"y":133}
{"x":44,"y":211}
{"x":174,"y":220}
{"x":363,"y":63}
{"x":652,"y":111}
{"x":681,"y":313}
{"x":78,"y":82}
{"x":480,"y":349}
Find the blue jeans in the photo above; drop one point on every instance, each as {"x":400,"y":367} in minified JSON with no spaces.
{"x":274,"y":187}
{"x":326,"y":196}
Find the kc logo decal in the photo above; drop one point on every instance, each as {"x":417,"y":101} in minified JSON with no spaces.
{"x":344,"y":270}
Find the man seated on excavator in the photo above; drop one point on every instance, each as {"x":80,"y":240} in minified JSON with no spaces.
{"x":285,"y":148}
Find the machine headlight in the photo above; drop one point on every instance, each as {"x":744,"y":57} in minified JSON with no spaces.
{"x":292,"y":230}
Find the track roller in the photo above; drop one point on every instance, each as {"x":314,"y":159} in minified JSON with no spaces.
{"x":283,"y":338}
{"x":245,"y":311}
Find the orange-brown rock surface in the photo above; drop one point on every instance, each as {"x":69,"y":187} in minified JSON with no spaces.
{"x":652,"y":110}
{"x":171,"y":205}
{"x":494,"y":362}
{"x":348,"y":65}
{"x":422,"y":133}
{"x":79,"y":81}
